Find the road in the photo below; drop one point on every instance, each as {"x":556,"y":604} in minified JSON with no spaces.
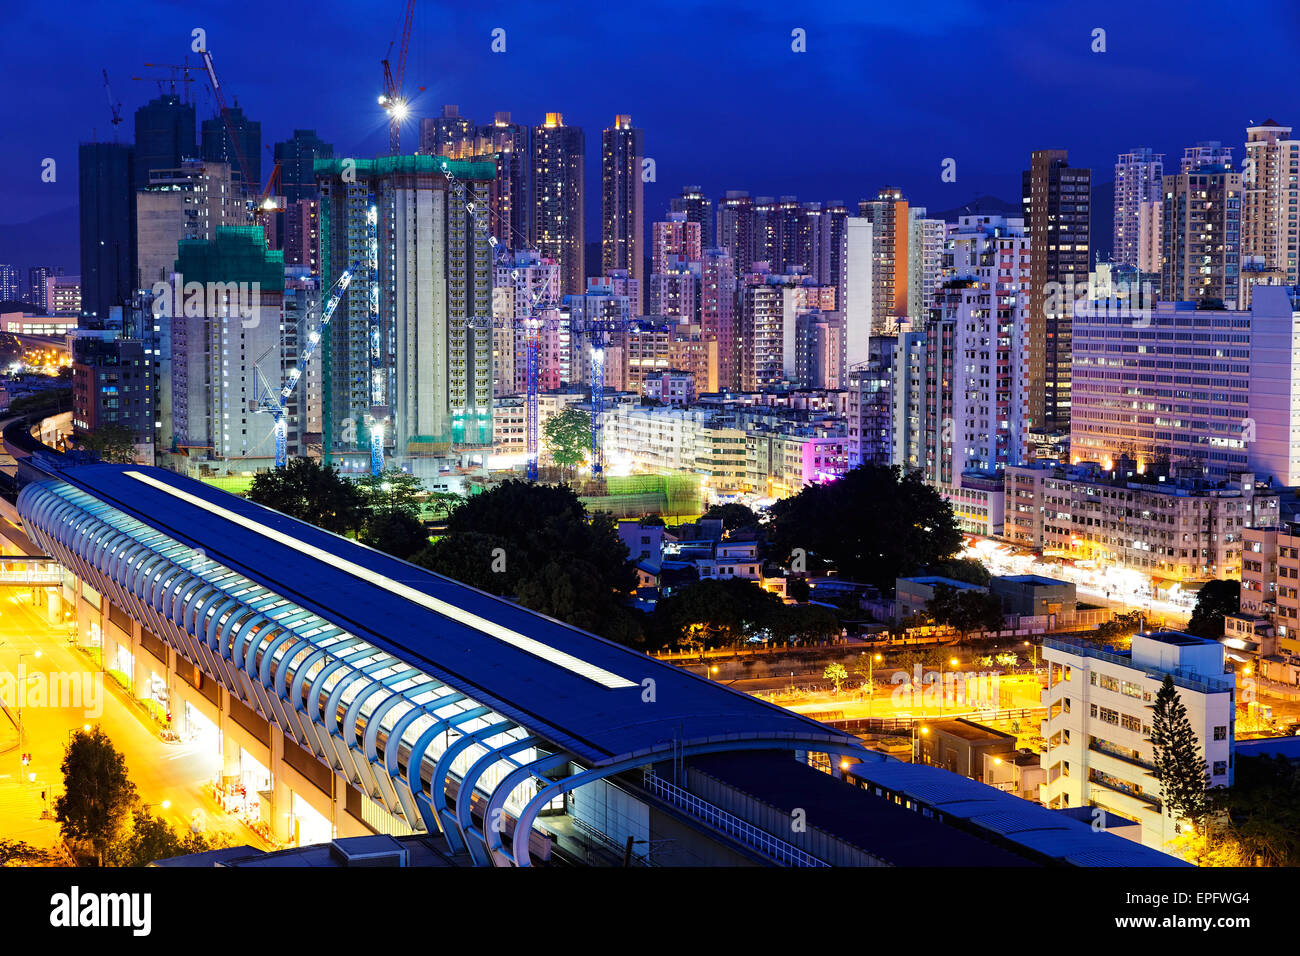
{"x":162,"y":772}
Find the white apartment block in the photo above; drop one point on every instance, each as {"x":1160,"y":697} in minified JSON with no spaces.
{"x":1138,"y":179}
{"x":1098,"y":726}
{"x":857,"y":307}
{"x":1270,"y":209}
{"x":924,"y":262}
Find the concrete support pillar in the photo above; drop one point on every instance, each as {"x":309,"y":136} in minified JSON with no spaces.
{"x":281,"y":809}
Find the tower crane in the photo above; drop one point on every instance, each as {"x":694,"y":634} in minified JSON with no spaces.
{"x":114,"y":108}
{"x":392,"y":100}
{"x":273,"y":404}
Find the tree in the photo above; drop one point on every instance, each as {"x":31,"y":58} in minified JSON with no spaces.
{"x":875,"y":524}
{"x":807,"y":623}
{"x":1120,"y":627}
{"x":797,"y":589}
{"x":398,"y":533}
{"x":836,"y":674}
{"x":733,"y":516}
{"x":1180,"y":768}
{"x":112,"y":443}
{"x":1263,"y":810}
{"x":967,"y":570}
{"x":1215,"y":600}
{"x":313,"y":493}
{"x":392,"y":491}
{"x":18,"y":853}
{"x":716,"y":613}
{"x":568,"y":436}
{"x":965,"y":609}
{"x":537,"y":544}
{"x":97,"y":795}
{"x":150,"y":839}
{"x":443,"y":503}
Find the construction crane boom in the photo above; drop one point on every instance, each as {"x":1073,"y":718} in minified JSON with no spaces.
{"x":114,"y":108}
{"x":274,"y":404}
{"x":392,"y":100}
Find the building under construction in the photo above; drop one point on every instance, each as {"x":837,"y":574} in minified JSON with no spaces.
{"x":407,"y":358}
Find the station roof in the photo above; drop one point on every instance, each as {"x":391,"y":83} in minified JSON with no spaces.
{"x":580,"y":691}
{"x":1053,"y":834}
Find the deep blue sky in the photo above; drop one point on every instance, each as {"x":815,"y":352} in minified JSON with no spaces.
{"x":883,"y":94}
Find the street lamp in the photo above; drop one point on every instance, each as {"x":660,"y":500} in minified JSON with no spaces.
{"x":924,"y":732}
{"x":871,"y":681}
{"x":943,"y":691}
{"x":1034,"y":650}
{"x":22,"y":689}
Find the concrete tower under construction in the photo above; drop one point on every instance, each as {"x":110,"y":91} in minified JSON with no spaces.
{"x":410,"y":350}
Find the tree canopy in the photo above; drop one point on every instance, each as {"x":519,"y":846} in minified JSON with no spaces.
{"x":97,"y":795}
{"x":112,"y":443}
{"x":716,"y":612}
{"x":568,"y":436}
{"x":150,"y":839}
{"x":965,"y":609}
{"x":874,"y":524}
{"x":537,"y":544}
{"x":311,"y":492}
{"x":1215,"y":600}
{"x":733,"y":515}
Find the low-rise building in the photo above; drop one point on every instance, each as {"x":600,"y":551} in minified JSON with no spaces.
{"x":1098,"y":727}
{"x":1173,"y":529}
{"x":911,"y":595}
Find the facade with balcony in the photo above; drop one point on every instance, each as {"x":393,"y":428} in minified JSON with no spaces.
{"x":1098,"y":727}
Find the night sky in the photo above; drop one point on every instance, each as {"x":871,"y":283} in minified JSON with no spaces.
{"x":882,"y":95}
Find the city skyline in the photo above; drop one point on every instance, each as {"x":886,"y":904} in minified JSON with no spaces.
{"x":803,"y":94}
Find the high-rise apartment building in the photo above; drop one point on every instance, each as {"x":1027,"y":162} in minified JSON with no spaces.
{"x":297,"y":157}
{"x":11,"y":289}
{"x":508,"y":204}
{"x":106,"y":204}
{"x":1270,"y":213}
{"x":889,"y":218}
{"x":164,"y":136}
{"x":698,"y":208}
{"x":450,"y":135}
{"x":981,"y":315}
{"x":736,"y":226}
{"x":218,"y":147}
{"x":718,"y":313}
{"x":1057,"y":203}
{"x":557,"y":193}
{"x":38,"y":285}
{"x":1201,"y":234}
{"x":418,"y":347}
{"x":622,"y":200}
{"x":924,"y":263}
{"x":190,"y":201}
{"x":1150,"y":236}
{"x":1139,"y":176}
{"x":830,"y":271}
{"x":231,"y":354}
{"x":676,"y":236}
{"x":301,"y":234}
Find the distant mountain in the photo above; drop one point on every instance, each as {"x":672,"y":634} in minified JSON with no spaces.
{"x":49,"y":240}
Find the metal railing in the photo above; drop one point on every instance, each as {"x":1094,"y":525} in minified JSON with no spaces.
{"x":719,"y":819}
